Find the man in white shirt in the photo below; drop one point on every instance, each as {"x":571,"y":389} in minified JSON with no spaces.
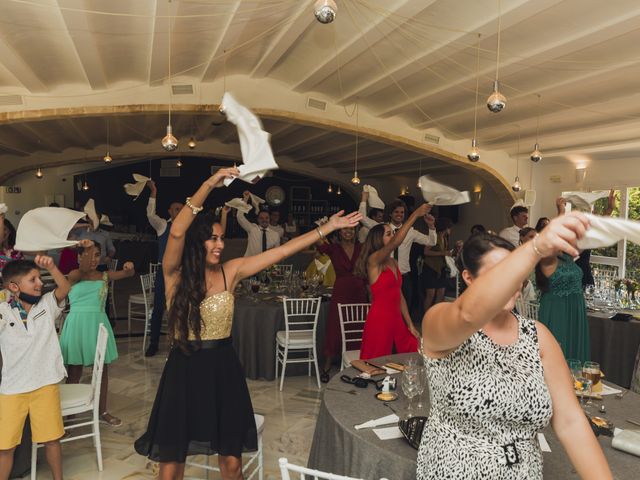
{"x":274,"y":223}
{"x":375,"y":215}
{"x":520,"y":218}
{"x":162,"y":227}
{"x":261,"y":236}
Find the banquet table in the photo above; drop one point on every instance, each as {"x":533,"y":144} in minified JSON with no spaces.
{"x":614,"y":346}
{"x":340,"y":449}
{"x":255,"y":325}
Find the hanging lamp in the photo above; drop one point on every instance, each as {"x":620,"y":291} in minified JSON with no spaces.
{"x":356,"y":180}
{"x":497,"y":101}
{"x":169,"y":142}
{"x":474,"y":153}
{"x":39,"y":173}
{"x":516,"y":187}
{"x":107,"y":158}
{"x":536,"y":155}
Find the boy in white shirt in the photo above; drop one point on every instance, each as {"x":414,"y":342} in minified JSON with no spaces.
{"x":32,"y":361}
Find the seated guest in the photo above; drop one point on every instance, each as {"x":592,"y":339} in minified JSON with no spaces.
{"x":274,"y":223}
{"x":496,"y":378}
{"x":541,"y":223}
{"x":290,"y":227}
{"x":520,"y":218}
{"x":478,"y":228}
{"x":261,"y":236}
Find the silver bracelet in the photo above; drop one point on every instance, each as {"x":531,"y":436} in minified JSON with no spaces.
{"x":535,"y":247}
{"x":195,"y":210}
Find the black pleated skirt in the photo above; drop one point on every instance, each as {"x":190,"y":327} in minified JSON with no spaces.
{"x":202,"y":407}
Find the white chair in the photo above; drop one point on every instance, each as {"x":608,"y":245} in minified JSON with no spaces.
{"x":113,"y":266}
{"x":140,"y":305}
{"x":352,"y":318}
{"x":604,"y":276}
{"x":80,"y":398}
{"x":285,"y":271}
{"x":286,"y":467}
{"x":528,"y":309}
{"x":153,"y":269}
{"x":254,"y":462}
{"x":301,"y":322}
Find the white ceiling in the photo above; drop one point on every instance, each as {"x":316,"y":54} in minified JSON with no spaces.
{"x":409,"y":61}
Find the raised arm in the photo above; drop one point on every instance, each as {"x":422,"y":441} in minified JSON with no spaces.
{"x":241,"y":216}
{"x":362,"y":209}
{"x":127,"y":271}
{"x":561,"y":205}
{"x":62,"y":284}
{"x":158,"y":224}
{"x":611,"y":203}
{"x":244,"y":267}
{"x":223,"y":218}
{"x":180,"y":225}
{"x":447,"y":325}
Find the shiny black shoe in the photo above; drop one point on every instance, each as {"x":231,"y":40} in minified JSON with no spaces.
{"x":152,"y":349}
{"x":324,"y":376}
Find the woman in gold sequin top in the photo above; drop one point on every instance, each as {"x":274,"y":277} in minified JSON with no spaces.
{"x":202,"y":405}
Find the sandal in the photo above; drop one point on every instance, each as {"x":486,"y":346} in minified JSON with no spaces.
{"x":108,"y":419}
{"x":324,"y":376}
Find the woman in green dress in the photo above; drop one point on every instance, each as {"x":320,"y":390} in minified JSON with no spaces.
{"x":562,"y":305}
{"x":87,"y":312}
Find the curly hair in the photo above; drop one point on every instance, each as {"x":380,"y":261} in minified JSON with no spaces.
{"x":184,"y":312}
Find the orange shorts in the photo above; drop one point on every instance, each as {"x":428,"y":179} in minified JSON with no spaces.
{"x":42,"y":406}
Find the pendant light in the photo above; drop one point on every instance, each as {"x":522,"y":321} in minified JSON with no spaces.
{"x":516,"y":187}
{"x":536,"y":155}
{"x":192,"y":141}
{"x":85,"y":185}
{"x":474,"y":153}
{"x":339,"y":191}
{"x":169,"y":142}
{"x":496,"y":101}
{"x":330,"y":188}
{"x":420,"y":174}
{"x":39,"y":173}
{"x":179,"y":163}
{"x":356,"y":180}
{"x":107,"y":158}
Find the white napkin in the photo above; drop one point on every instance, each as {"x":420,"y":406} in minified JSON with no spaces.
{"x":605,"y":231}
{"x":322,"y":267}
{"x":256,"y":201}
{"x":393,"y":418}
{"x":627,"y":441}
{"x":3,"y":208}
{"x":105,"y":220}
{"x":544,"y":445}
{"x":607,"y":390}
{"x":321,"y":221}
{"x":583,"y":201}
{"x":388,"y":433}
{"x":257,"y":156}
{"x":90,"y":210}
{"x":374,"y":198}
{"x":239,"y":205}
{"x":46,"y":228}
{"x":438,"y":194}
{"x":135,"y":189}
{"x":451,"y":264}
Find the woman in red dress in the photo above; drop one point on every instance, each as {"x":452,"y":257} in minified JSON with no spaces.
{"x":347,"y":288}
{"x":388,"y":322}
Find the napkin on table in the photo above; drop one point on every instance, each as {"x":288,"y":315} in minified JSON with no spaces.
{"x":135,"y":189}
{"x":374,"y":199}
{"x":388,"y":433}
{"x":46,"y":228}
{"x":627,"y":441}
{"x":257,"y":156}
{"x":376,"y":422}
{"x":439,"y":194}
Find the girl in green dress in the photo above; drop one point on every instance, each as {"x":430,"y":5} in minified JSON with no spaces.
{"x":80,"y":330}
{"x":562,"y":305}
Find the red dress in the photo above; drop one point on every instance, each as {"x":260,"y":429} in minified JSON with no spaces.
{"x":385,"y":327}
{"x":347,"y":289}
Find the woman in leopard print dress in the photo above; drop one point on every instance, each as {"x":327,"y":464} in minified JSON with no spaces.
{"x":497,"y":378}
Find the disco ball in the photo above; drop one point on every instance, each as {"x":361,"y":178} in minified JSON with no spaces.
{"x":325,"y":11}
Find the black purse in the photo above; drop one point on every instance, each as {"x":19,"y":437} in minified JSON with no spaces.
{"x":412,"y":429}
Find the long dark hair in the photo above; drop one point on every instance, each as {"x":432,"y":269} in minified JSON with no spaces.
{"x":11,"y":237}
{"x":184,"y":312}
{"x":476,"y":247}
{"x":372,"y":243}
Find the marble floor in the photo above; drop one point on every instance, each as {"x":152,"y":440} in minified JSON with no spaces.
{"x":290,"y":418}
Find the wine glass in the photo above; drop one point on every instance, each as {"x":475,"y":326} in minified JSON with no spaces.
{"x":584,"y":385}
{"x":591,"y":371}
{"x":410,"y":386}
{"x":576,"y":368}
{"x":589,"y":295}
{"x":304,"y":285}
{"x":254,"y":283}
{"x":421,"y":384}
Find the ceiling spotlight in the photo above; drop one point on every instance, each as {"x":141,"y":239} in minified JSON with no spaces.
{"x":107,"y":158}
{"x":85,"y":186}
{"x":39,"y":173}
{"x":192,"y":143}
{"x":178,"y":163}
{"x":474,"y":153}
{"x":338,"y":192}
{"x":536,"y":155}
{"x":330,"y":188}
{"x":355,"y":180}
{"x":325,"y":11}
{"x":169,"y":142}
{"x":496,"y":101}
{"x":516,"y":187}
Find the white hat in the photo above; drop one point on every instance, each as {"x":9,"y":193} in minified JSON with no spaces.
{"x":46,"y":228}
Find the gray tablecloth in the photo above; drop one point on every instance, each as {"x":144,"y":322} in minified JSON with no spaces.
{"x":614,"y":346}
{"x":254,"y":336}
{"x":339,"y":448}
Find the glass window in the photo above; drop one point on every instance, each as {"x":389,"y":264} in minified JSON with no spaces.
{"x":633,"y":250}
{"x":601,"y":207}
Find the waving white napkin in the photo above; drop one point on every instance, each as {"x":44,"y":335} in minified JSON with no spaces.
{"x":135,"y":189}
{"x":605,"y":231}
{"x":3,"y":208}
{"x":46,"y":228}
{"x":105,"y":220}
{"x":393,"y":418}
{"x":322,"y":267}
{"x":583,"y":201}
{"x":374,"y":198}
{"x":90,"y":210}
{"x":321,"y":221}
{"x":257,"y":156}
{"x":239,"y":205}
{"x":451,"y":265}
{"x":438,"y":194}
{"x":256,"y":201}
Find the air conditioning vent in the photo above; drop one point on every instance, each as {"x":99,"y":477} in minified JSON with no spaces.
{"x":431,"y":138}
{"x":182,"y":89}
{"x":10,"y":99}
{"x":317,"y":104}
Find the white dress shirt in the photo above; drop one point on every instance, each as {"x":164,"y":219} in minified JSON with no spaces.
{"x":159,"y":224}
{"x":254,"y":234}
{"x":512,"y":234}
{"x":31,"y":353}
{"x":366,"y":223}
{"x":278,"y":229}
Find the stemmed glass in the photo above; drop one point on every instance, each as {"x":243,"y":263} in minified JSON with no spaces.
{"x":583,"y":385}
{"x":421,"y":384}
{"x":410,"y":386}
{"x":254,"y":283}
{"x":591,"y":371}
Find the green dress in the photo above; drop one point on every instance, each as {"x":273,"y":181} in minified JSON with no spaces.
{"x":80,"y":331}
{"x":563,"y":310}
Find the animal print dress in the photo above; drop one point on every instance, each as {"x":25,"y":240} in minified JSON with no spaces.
{"x":487,"y":403}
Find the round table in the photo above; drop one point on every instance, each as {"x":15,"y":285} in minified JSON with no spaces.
{"x":341,"y":449}
{"x":255,"y":325}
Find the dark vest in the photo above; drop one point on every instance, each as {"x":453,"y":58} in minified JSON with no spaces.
{"x":162,"y":241}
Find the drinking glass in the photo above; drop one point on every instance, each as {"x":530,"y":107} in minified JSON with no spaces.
{"x":254,"y":283}
{"x":589,"y":295}
{"x":410,"y":386}
{"x":584,"y":385}
{"x":576,"y":368}
{"x":421,"y":384}
{"x":591,"y":371}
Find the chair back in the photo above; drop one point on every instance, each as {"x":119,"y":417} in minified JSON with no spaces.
{"x":303,"y":472}
{"x":283,"y":271}
{"x":528,"y":309}
{"x":352,"y":318}
{"x":113,"y":264}
{"x":301,"y":315}
{"x":146,"y":280}
{"x":98,"y":365}
{"x":153,"y":269}
{"x":604,"y":276}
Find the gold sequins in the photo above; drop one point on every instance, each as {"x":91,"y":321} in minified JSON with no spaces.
{"x":216,"y":313}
